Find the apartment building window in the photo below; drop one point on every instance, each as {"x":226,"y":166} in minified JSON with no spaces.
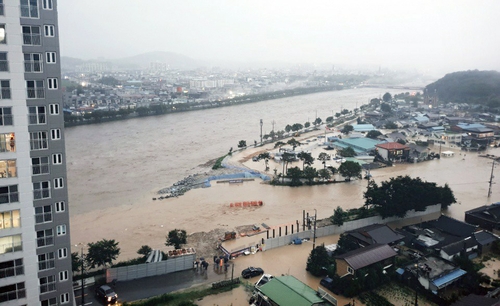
{"x":62,"y":253}
{"x":29,"y":8}
{"x":1,"y":8}
{"x":4,"y":89}
{"x":46,"y":261}
{"x":63,"y":276}
{"x":38,"y":141}
{"x":4,"y":63}
{"x":58,"y":183}
{"x":49,"y":302}
{"x":43,"y":214}
{"x":37,"y":115}
{"x":3,"y":40}
{"x":8,"y":168}
{"x":10,"y":219}
{"x":49,"y":30}
{"x":12,"y":292}
{"x":9,"y":194}
{"x":40,"y":165}
{"x":61,"y":230}
{"x":47,"y":284}
{"x":35,"y":89}
{"x":31,"y":36}
{"x":45,"y":237}
{"x":55,"y":134}
{"x":11,"y":268}
{"x":7,"y":142}
{"x":33,"y":62}
{"x":60,"y":206}
{"x":41,"y":190}
{"x":52,"y":83}
{"x":10,"y":244}
{"x":6,"y":116}
{"x":57,"y":159}
{"x":54,"y":109}
{"x":50,"y":57}
{"x":64,"y":298}
{"x":47,"y":5}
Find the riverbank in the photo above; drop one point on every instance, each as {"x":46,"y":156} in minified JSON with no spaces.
{"x":110,"y":116}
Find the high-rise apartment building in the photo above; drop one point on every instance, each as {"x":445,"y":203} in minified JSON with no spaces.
{"x":35,"y":254}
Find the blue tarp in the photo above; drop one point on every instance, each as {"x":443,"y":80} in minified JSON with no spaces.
{"x":444,"y":280}
{"x":400,"y":271}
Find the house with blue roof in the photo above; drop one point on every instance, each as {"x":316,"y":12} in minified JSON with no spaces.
{"x":363,"y":127}
{"x":360,"y":145}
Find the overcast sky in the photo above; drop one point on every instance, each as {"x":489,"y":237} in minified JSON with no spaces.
{"x":436,"y":34}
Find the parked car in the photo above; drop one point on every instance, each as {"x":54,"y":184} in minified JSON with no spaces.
{"x":106,"y":294}
{"x":251,"y":272}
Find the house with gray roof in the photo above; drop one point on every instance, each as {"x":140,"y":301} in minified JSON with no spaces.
{"x":374,"y":234}
{"x":349,"y":263}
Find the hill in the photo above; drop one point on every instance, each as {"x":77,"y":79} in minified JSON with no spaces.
{"x":473,"y":86}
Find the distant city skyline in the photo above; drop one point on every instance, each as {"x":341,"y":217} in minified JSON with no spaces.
{"x":439,"y":36}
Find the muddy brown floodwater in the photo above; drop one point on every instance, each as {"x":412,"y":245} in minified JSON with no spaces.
{"x":115,"y":169}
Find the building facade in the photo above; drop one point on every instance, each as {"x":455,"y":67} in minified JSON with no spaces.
{"x":35,"y":254}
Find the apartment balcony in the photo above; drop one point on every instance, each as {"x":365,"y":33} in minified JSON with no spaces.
{"x":35,"y":93}
{"x":30,"y":66}
{"x":32,"y":39}
{"x":11,"y":247}
{"x":37,"y":119}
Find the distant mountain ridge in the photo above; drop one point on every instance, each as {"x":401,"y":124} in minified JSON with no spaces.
{"x":473,"y":86}
{"x":140,"y":61}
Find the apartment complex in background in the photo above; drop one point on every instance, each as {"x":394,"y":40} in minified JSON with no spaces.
{"x":35,"y":254}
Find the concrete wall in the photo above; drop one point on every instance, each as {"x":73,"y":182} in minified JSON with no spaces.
{"x":277,"y":242}
{"x":173,"y":264}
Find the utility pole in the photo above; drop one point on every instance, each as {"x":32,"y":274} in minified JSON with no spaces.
{"x":491,"y":178}
{"x":314,"y":229}
{"x":83,"y":278}
{"x":261,"y":123}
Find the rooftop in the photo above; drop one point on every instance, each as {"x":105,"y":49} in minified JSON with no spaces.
{"x":369,"y":255}
{"x":287,"y":290}
{"x":392,"y":146}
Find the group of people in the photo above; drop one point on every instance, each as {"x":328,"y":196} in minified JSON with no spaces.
{"x":200,"y":264}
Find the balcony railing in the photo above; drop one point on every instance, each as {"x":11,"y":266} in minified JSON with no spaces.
{"x":40,"y":169}
{"x":6,"y":120}
{"x":7,"y":146}
{"x":26,"y":11}
{"x":32,"y":39}
{"x":11,"y":247}
{"x":31,"y":66}
{"x":5,"y":93}
{"x":43,"y":193}
{"x":11,"y":271}
{"x":10,"y":223}
{"x":11,"y":197}
{"x":35,"y":93}
{"x":37,"y":119}
{"x":4,"y":65}
{"x":12,"y":295}
{"x":44,"y":241}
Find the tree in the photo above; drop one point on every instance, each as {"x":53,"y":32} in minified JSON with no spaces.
{"x":345,"y":245}
{"x":295,"y":174}
{"x":318,"y":121}
{"x":76,"y":263}
{"x":102,"y":253}
{"x":347,"y":152}
{"x":287,"y":158}
{"x":373,"y":134}
{"x":307,"y":124}
{"x":337,"y":115}
{"x":176,"y":237}
{"x":347,"y":129}
{"x":144,"y":250}
{"x":319,"y":261}
{"x":329,"y":119}
{"x":310,"y":173}
{"x":386,"y":108}
{"x":403,"y":193}
{"x":297,"y":126}
{"x":338,"y":216}
{"x":350,"y":169}
{"x":306,"y":159}
{"x":387,"y":97}
{"x":242,"y":144}
{"x":288,"y":128}
{"x":322,"y":156}
{"x":324,"y":174}
{"x":391,"y":125}
{"x":294,"y":143}
{"x":279,"y":144}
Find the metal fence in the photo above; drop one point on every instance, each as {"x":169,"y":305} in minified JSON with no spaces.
{"x":277,"y":242}
{"x":173,"y":264}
